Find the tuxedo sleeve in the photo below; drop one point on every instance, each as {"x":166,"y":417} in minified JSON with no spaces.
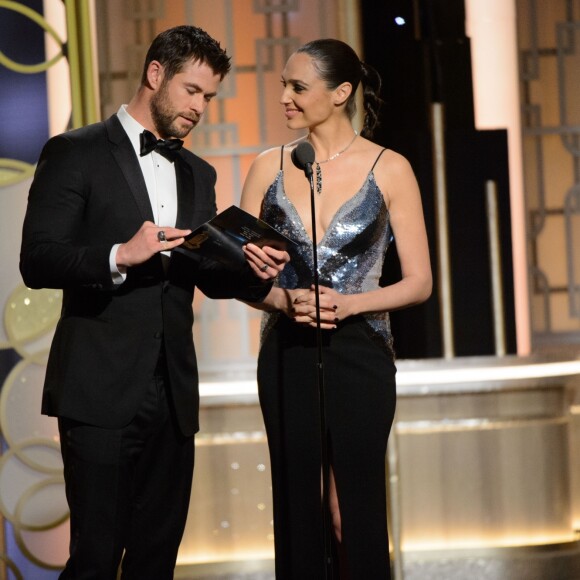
{"x":217,"y":281}
{"x":55,"y":252}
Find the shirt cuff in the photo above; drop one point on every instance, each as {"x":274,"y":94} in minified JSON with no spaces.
{"x":118,"y":274}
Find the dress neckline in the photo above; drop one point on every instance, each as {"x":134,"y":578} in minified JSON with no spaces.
{"x":370,"y":178}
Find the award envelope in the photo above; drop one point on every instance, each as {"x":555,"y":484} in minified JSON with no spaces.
{"x":223,"y":237}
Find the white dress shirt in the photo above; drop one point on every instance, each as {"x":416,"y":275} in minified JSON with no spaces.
{"x":159,"y":175}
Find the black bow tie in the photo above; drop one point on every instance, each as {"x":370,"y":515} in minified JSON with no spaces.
{"x":168,"y":148}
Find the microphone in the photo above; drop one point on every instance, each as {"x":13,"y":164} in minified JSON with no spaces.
{"x":303,"y":157}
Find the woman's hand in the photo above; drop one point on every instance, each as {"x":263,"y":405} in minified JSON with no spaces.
{"x":334,"y":307}
{"x":266,"y":262}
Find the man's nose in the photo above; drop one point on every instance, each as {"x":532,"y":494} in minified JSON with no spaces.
{"x":198,"y":103}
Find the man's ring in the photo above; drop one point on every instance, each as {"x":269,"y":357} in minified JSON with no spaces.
{"x":161,"y":236}
{"x":264,"y":268}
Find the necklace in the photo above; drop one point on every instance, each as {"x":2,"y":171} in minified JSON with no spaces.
{"x":319,"y":163}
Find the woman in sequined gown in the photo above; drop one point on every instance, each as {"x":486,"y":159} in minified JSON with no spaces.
{"x":365,"y":195}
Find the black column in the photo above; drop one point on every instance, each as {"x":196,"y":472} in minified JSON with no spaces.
{"x":420,"y":49}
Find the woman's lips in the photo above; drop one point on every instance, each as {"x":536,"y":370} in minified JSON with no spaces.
{"x":290,"y":113}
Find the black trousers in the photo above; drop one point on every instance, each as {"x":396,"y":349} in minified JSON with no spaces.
{"x":128,"y":492}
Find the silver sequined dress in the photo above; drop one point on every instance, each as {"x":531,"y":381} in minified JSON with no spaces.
{"x":350,"y":254}
{"x":359,"y":392}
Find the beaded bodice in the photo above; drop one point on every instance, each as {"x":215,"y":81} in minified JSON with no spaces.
{"x":350,"y":254}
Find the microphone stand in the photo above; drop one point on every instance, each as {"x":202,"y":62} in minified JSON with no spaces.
{"x":320,"y":380}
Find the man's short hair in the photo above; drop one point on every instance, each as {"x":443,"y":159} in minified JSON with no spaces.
{"x":176,"y":46}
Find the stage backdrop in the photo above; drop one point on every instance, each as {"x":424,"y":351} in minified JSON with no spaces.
{"x":232,"y":490}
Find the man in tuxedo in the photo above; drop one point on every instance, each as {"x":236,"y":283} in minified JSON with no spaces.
{"x":107,"y":205}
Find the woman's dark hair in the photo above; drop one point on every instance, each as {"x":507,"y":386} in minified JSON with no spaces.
{"x":175,"y":47}
{"x":336,"y":62}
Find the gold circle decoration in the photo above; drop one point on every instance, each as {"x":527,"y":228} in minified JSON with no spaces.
{"x":31,"y":513}
{"x":32,"y":494}
{"x":38,"y":19}
{"x":48,"y":549}
{"x":13,"y":171}
{"x":10,"y":565}
{"x":28,"y":499}
{"x":29,"y":317}
{"x":23,"y":426}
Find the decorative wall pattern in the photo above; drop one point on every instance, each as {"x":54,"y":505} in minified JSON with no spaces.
{"x":230,"y":518}
{"x":549,"y":35}
{"x":232,"y":474}
{"x":549,"y":44}
{"x":242,"y":121}
{"x":32,"y":499}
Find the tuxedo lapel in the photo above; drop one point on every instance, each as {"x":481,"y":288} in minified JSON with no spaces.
{"x":124,"y":154}
{"x":185,"y":193}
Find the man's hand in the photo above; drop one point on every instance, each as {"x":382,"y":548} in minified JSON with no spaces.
{"x":266,"y":262}
{"x":148,"y":241}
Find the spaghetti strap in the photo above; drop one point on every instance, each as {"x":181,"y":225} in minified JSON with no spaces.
{"x":377,"y":159}
{"x":282,"y":158}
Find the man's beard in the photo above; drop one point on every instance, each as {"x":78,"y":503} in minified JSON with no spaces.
{"x":164,"y":116}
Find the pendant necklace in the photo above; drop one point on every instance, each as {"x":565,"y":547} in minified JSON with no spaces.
{"x":319,"y":163}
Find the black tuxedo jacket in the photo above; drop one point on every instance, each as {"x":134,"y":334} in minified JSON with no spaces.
{"x":88,"y":194}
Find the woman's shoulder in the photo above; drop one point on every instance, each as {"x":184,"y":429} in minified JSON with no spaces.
{"x":391,"y":170}
{"x":265,"y":168}
{"x":386,"y":160}
{"x":381,"y":154}
{"x":275,"y":157}
{"x":266,"y":164}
